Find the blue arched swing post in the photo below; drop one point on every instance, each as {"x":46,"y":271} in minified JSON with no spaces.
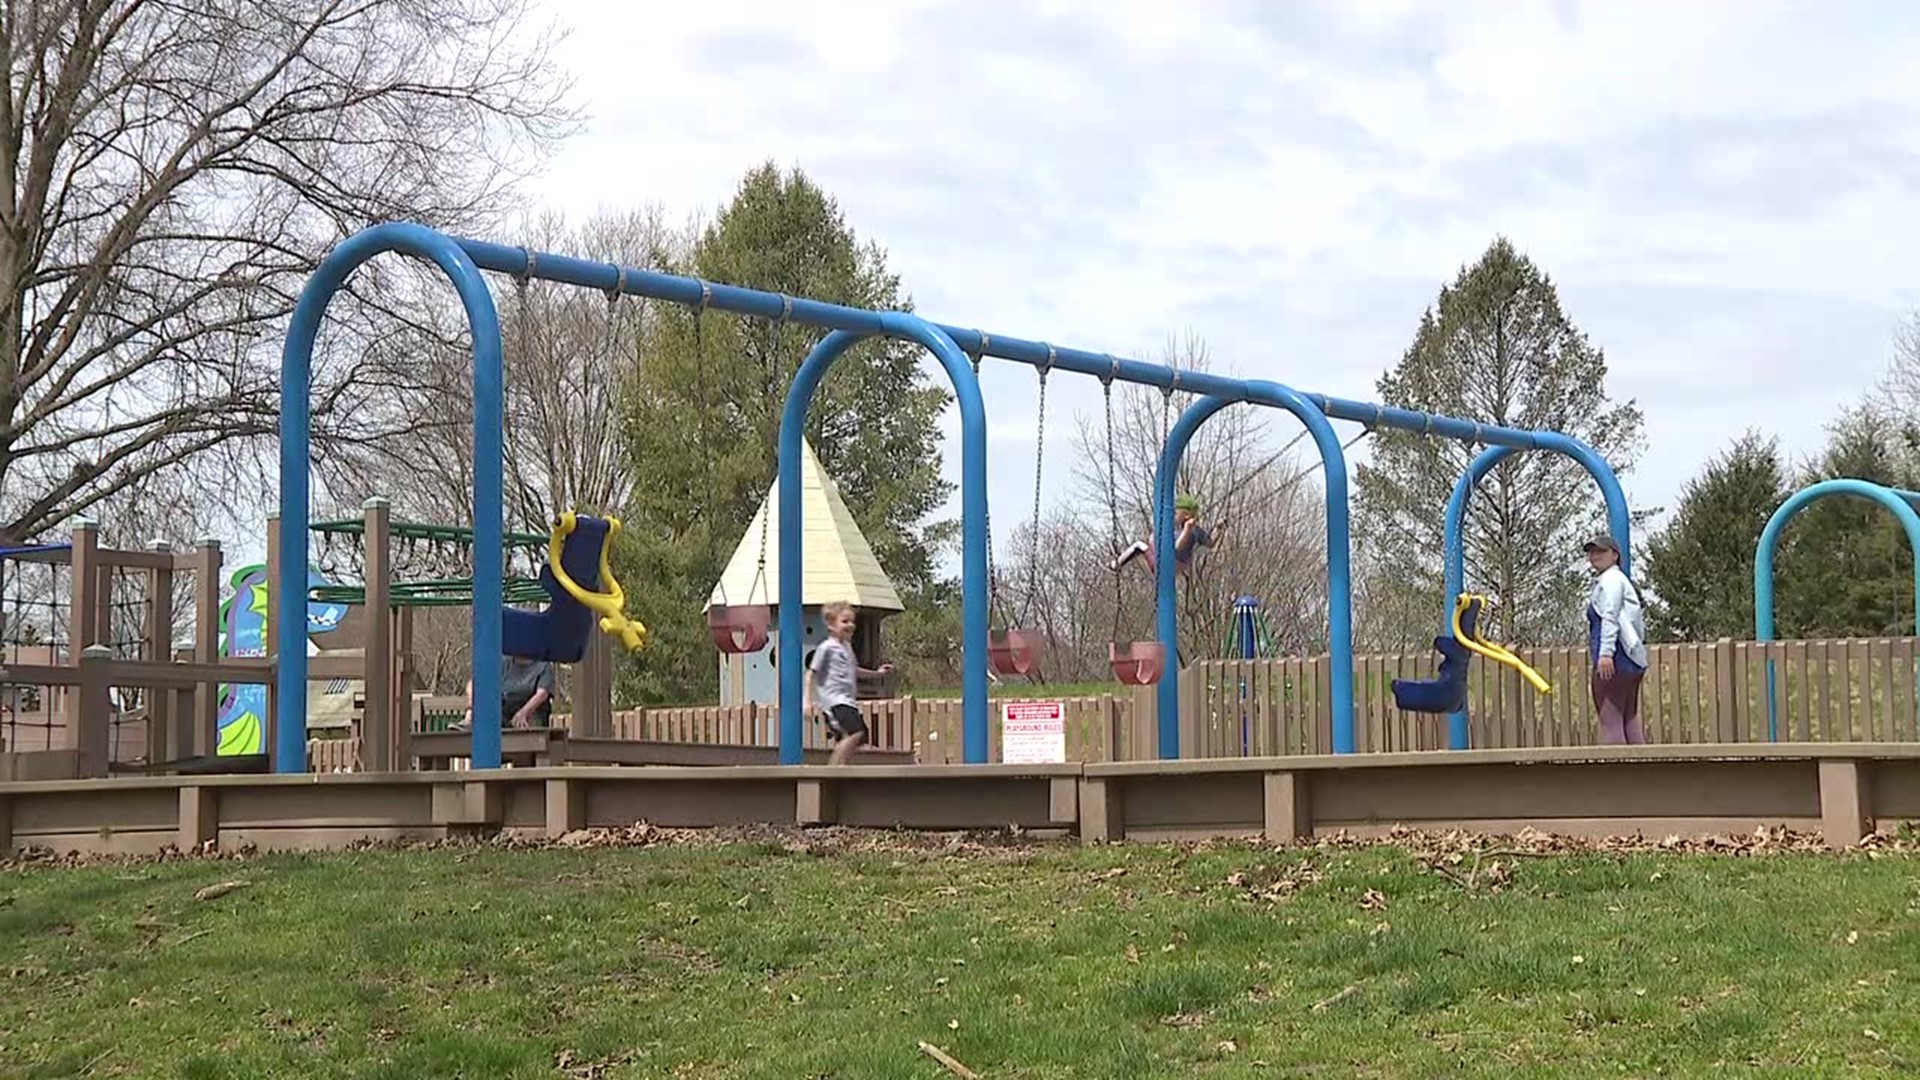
{"x":1503,"y":440}
{"x":1898,"y":503}
{"x":973,"y":556}
{"x":1619,"y":525}
{"x":296,"y":425}
{"x":1339,"y":568}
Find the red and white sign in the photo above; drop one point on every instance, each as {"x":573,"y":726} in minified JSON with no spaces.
{"x":1033,"y":732}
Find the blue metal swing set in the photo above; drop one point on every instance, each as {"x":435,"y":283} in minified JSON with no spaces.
{"x":463,"y":261}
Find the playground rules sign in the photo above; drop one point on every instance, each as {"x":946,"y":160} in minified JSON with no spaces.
{"x":1033,"y":732}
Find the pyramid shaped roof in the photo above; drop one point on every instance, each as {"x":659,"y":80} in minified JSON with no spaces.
{"x":839,"y":563}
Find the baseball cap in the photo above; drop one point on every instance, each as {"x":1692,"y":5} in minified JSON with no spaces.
{"x":1602,"y":542}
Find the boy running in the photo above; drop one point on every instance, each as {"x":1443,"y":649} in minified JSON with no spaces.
{"x":838,"y":674}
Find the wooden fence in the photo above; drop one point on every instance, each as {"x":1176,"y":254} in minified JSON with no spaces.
{"x":1845,"y":690}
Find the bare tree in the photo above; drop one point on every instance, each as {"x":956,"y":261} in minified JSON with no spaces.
{"x":169,"y":175}
{"x":1273,"y":548}
{"x":1899,"y":389}
{"x":570,"y":354}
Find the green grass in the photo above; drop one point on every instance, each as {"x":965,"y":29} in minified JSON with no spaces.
{"x":833,"y":957}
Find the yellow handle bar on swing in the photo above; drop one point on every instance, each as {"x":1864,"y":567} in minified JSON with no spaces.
{"x":1492,"y":650}
{"x":609,"y":605}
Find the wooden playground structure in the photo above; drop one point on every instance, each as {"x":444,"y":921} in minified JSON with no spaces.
{"x":81,"y":725}
{"x":1254,"y":738}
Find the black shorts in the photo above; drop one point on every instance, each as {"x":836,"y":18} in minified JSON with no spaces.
{"x":846,"y":720}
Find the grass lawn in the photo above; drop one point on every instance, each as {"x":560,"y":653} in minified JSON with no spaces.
{"x":835,"y":955}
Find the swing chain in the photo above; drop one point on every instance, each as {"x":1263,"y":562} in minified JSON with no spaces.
{"x":773,"y":389}
{"x":705,"y":427}
{"x":1039,"y":458}
{"x":1113,"y":489}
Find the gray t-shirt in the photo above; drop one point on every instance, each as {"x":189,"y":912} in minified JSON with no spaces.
{"x":520,"y":677}
{"x":836,"y":674}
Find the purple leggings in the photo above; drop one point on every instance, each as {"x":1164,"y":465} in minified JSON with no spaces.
{"x":1618,"y":702}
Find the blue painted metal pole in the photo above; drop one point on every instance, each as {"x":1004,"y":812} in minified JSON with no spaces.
{"x":1896,"y":503}
{"x":1453,"y":546}
{"x":973,"y":502}
{"x":608,"y":277}
{"x":1243,"y":625}
{"x":296,"y":375}
{"x":1166,"y":606}
{"x":1339,"y":554}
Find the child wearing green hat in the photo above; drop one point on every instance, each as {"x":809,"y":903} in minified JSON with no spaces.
{"x":1189,"y":536}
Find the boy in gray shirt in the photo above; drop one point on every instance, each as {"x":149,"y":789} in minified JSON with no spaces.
{"x":526,"y":694}
{"x":837,"y":674}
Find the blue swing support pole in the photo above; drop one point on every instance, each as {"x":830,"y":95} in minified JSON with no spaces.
{"x":1453,"y":544}
{"x":1897,"y":502}
{"x":463,"y":260}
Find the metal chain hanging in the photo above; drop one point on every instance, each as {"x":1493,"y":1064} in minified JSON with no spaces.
{"x":1113,"y":489}
{"x":1166,"y":432}
{"x":773,"y":394}
{"x":1039,"y":458}
{"x":705,"y":427}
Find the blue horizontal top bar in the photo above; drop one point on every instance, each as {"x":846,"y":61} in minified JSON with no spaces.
{"x":611,"y":278}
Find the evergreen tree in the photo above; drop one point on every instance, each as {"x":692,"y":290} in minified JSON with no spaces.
{"x":1845,"y":568}
{"x":703,"y":417}
{"x":1699,"y":568}
{"x":1496,"y":348}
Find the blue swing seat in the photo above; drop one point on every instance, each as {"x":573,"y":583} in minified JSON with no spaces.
{"x":559,"y":633}
{"x":1446,"y":692}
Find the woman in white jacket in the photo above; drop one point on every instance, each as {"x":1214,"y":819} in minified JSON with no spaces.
{"x":1616,"y":644}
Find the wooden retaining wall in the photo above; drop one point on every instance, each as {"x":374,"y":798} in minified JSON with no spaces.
{"x":1840,"y":791}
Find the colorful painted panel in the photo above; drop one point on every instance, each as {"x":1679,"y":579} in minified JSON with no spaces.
{"x":243,"y":627}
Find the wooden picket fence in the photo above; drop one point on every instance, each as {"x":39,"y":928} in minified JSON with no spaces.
{"x":1841,"y":690}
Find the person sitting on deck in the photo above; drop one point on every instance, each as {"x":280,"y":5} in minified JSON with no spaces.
{"x":1189,"y":536}
{"x":526,"y":694}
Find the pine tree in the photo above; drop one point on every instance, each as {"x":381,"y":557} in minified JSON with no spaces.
{"x":1699,"y":567}
{"x":1845,"y":568}
{"x":1496,"y":348}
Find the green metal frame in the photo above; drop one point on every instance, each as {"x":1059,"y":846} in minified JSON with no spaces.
{"x":414,"y":530}
{"x":436,"y":592}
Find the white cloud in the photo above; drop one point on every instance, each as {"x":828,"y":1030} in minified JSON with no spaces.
{"x":1714,"y":188}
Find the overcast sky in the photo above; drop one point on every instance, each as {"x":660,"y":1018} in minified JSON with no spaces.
{"x":1722,"y":192}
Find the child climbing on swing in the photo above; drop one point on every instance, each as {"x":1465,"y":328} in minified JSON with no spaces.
{"x":838,"y":674}
{"x":1189,"y":536}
